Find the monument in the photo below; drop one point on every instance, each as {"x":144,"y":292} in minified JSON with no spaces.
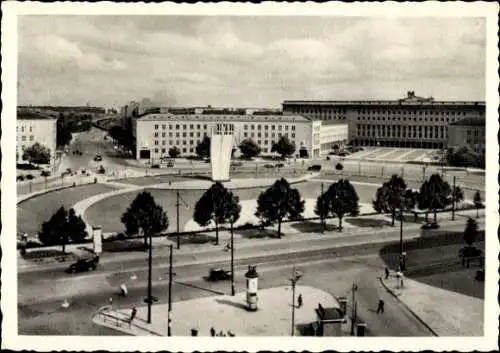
{"x":221,"y":145}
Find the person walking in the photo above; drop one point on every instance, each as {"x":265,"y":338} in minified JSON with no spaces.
{"x":380,"y":308}
{"x":386,"y":273}
{"x":212,"y":332}
{"x":132,"y":315}
{"x":299,"y":301}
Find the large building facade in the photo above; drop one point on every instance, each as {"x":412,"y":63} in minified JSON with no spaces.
{"x":32,"y":128}
{"x":413,"y":121}
{"x":470,"y":132}
{"x":156,"y":133}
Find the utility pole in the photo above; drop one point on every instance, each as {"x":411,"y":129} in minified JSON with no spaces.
{"x":177,"y":209}
{"x":353,"y":307}
{"x":453,"y":199}
{"x":233,"y":291}
{"x":149,"y":299}
{"x":170,"y":275}
{"x":401,"y":253}
{"x":322,"y":209}
{"x":295,"y":277}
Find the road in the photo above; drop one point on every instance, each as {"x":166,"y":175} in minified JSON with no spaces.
{"x":333,"y":270}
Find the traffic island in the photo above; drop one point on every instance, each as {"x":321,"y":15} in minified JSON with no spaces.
{"x":225,"y":314}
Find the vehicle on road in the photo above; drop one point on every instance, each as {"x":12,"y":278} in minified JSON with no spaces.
{"x":86,"y":259}
{"x":268,"y":165}
{"x":219,"y":274}
{"x":279,"y":165}
{"x":156,"y":166}
{"x":98,"y":158}
{"x":170,"y":164}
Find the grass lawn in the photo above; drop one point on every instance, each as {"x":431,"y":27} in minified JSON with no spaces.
{"x":107,"y":213}
{"x":32,"y":213}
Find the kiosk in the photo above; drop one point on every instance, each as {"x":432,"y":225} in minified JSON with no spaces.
{"x":252,"y":285}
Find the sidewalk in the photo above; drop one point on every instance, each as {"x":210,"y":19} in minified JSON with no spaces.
{"x":273,"y":317}
{"x":447,"y":313}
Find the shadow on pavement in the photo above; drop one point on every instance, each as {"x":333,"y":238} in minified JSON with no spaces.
{"x":200,"y":288}
{"x":368,"y":222}
{"x":228,"y":302}
{"x":257,"y":233}
{"x":307,"y":226}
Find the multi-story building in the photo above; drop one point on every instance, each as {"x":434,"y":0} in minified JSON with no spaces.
{"x":32,"y":128}
{"x":469,"y":132}
{"x":156,"y":133}
{"x":409,"y":122}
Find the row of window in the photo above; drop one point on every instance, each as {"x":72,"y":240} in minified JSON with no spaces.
{"x":319,"y":111}
{"x":405,"y":118}
{"x":195,"y":142}
{"x":266,"y":127}
{"x":266,"y":134}
{"x":191,"y":150}
{"x":23,"y":128}
{"x":403,"y":131}
{"x":179,"y":134}
{"x":24,"y":138}
{"x":179,"y":126}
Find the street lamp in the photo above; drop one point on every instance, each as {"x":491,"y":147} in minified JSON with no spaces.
{"x":294,"y":279}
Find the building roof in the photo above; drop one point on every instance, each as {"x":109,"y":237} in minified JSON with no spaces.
{"x":471,"y":121}
{"x":399,"y":102}
{"x":224,"y":117}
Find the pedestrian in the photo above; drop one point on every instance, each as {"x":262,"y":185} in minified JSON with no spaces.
{"x":299,"y":300}
{"x":110,"y":301}
{"x":380,"y":308}
{"x":212,"y":332}
{"x":132,"y":315}
{"x":123,"y":290}
{"x":386,"y":273}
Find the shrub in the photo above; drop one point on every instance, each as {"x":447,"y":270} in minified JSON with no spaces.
{"x":20,"y":177}
{"x":45,"y":173}
{"x":470,"y":251}
{"x":30,"y":177}
{"x":339,"y":166}
{"x":101,"y":170}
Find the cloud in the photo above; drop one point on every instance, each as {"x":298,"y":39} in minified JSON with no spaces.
{"x":250,"y":61}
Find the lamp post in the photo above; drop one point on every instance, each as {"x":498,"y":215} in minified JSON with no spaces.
{"x":170,"y":275}
{"x":295,"y":277}
{"x":149,"y":299}
{"x":233,"y":290}
{"x":322,"y":210}
{"x":454,"y":195}
{"x":353,"y":307}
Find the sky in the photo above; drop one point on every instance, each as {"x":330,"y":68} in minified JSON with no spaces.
{"x":246,"y":61}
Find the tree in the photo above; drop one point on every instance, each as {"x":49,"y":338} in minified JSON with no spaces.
{"x":145,"y":215}
{"x":217,"y":205}
{"x":322,"y":209}
{"x":470,"y":233}
{"x":464,"y":157}
{"x":63,"y":135}
{"x":37,"y":154}
{"x":55,"y":230}
{"x":277,"y":202}
{"x":203,"y":148}
{"x":435,"y":194}
{"x":342,"y":199}
{"x":249,"y":149}
{"x":283,"y":147}
{"x":174,"y":152}
{"x":457,"y":196}
{"x":389,"y":198}
{"x":76,"y":227}
{"x":478,"y":202}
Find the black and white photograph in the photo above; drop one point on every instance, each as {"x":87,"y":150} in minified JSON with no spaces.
{"x":250,"y":176}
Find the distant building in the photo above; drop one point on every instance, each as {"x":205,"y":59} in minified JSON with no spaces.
{"x":413,"y":121}
{"x":32,"y":128}
{"x":470,"y":132}
{"x":156,"y":133}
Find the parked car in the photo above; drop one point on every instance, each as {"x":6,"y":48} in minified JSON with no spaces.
{"x":98,"y":158}
{"x":156,"y":166}
{"x":236,"y":164}
{"x":343,"y":154}
{"x":30,"y":177}
{"x":86,"y":260}
{"x":431,"y":225}
{"x":219,"y":274}
{"x":314,"y":168}
{"x":268,"y":165}
{"x":279,"y":165}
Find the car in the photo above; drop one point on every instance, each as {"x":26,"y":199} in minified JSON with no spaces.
{"x":207,"y":160}
{"x":314,"y":168}
{"x":156,"y":166}
{"x":236,"y":164}
{"x":20,"y":178}
{"x":267,"y":165}
{"x":170,"y":164}
{"x":219,"y":274}
{"x":343,"y":154}
{"x":279,"y":165}
{"x":88,"y":260}
{"x":98,"y":158}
